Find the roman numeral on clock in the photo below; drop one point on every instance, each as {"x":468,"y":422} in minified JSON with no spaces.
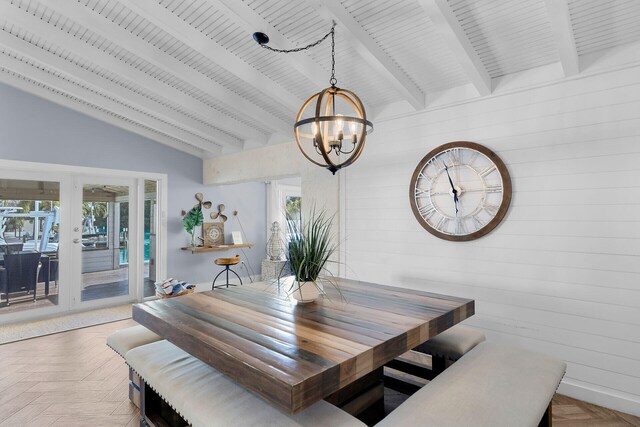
{"x":421,"y":192}
{"x":455,"y":156}
{"x":488,"y":170}
{"x":476,"y":221}
{"x":442,"y":223}
{"x":426,"y":210}
{"x":491,"y":209}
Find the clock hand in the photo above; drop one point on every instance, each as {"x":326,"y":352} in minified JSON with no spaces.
{"x":453,"y":189}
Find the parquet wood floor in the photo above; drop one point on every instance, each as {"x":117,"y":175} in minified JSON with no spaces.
{"x":66,"y":379}
{"x":73,"y":379}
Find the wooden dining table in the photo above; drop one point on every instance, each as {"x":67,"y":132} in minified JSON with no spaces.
{"x":294,"y":355}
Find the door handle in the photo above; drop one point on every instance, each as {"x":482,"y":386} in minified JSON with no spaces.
{"x":76,"y":240}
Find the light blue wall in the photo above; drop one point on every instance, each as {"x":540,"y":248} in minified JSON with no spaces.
{"x":36,"y":130}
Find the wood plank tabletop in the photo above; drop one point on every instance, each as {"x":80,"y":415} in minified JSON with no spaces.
{"x":295,"y":355}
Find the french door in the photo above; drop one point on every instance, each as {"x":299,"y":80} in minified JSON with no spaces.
{"x":100,"y":236}
{"x":105,"y":240}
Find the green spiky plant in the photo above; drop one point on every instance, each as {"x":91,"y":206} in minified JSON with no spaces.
{"x":310,"y":248}
{"x":191,"y":220}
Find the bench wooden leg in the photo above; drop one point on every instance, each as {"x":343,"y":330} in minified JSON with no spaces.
{"x":134,"y":388}
{"x":547,"y":418}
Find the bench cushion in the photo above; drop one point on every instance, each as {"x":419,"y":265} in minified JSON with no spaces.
{"x":205,"y":397}
{"x":492,"y":385}
{"x":453,"y":343}
{"x":125,"y":339}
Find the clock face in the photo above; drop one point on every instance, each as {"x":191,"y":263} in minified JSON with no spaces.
{"x":460,"y":191}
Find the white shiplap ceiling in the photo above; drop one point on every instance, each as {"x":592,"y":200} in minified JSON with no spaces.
{"x":187,"y":73}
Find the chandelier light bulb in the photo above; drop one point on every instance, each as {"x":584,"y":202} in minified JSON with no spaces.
{"x":354,"y":132}
{"x":354,"y":127}
{"x":338,"y":128}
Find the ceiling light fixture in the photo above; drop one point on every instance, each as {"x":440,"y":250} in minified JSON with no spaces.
{"x":320,"y":124}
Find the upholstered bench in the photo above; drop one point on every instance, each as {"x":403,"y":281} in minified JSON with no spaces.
{"x":492,"y":385}
{"x":126,"y":339}
{"x":450,"y":345}
{"x":205,"y":397}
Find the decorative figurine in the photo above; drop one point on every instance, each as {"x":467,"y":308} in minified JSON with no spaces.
{"x":275,"y":244}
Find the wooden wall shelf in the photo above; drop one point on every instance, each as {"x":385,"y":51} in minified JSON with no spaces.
{"x":199,"y":249}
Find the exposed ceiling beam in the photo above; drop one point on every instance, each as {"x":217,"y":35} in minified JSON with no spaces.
{"x":110,"y":30}
{"x":178,"y":28}
{"x":454,"y":36}
{"x":560,"y":19}
{"x":51,"y":94}
{"x":372,"y":53}
{"x":251,"y":21}
{"x":39,"y":73}
{"x":30,"y":23}
{"x":113,"y":89}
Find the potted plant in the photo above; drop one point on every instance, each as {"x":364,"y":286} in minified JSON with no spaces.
{"x":191,"y":221}
{"x":310,"y":247}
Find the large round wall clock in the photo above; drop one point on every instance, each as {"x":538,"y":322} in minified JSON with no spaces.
{"x":460,"y":191}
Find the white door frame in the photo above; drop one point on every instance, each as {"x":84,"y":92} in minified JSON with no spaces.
{"x":76,"y":235}
{"x":13,"y":169}
{"x":64,"y":292}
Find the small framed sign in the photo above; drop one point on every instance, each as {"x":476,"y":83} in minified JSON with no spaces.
{"x":236,"y":236}
{"x":213,"y":233}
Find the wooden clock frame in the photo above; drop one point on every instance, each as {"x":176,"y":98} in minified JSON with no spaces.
{"x":506,"y":185}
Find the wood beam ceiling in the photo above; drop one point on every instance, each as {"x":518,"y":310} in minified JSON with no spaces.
{"x":43,"y":90}
{"x":251,"y":21}
{"x":68,"y":85}
{"x":192,"y":84}
{"x":372,"y":53}
{"x":62,"y":39}
{"x":112,"y":31}
{"x":179,"y":29}
{"x":215,"y":138}
{"x":448,"y":26}
{"x":562,"y":31}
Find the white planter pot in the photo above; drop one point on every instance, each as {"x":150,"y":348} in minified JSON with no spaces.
{"x":305,"y":292}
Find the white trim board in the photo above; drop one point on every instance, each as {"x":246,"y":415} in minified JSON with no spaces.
{"x":599,"y":396}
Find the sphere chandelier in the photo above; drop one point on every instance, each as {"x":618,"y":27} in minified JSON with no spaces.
{"x":331,"y":127}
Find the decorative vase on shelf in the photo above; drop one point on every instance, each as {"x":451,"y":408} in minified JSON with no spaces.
{"x":192,"y":222}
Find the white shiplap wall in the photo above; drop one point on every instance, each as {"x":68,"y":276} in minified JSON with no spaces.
{"x":561,"y":274}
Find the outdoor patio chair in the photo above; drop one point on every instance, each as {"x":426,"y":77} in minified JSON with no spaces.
{"x":12,"y":248}
{"x":20,"y":273}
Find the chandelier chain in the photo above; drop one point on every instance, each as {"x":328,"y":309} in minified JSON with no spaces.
{"x":333,"y":79}
{"x":331,"y":33}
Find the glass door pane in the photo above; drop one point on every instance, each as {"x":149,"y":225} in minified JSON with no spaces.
{"x":104,"y":241}
{"x":29,"y":236}
{"x":150,"y":236}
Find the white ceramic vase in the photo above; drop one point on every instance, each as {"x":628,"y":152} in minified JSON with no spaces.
{"x":305,"y":292}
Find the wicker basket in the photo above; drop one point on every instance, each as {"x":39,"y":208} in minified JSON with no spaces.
{"x":185,"y":292}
